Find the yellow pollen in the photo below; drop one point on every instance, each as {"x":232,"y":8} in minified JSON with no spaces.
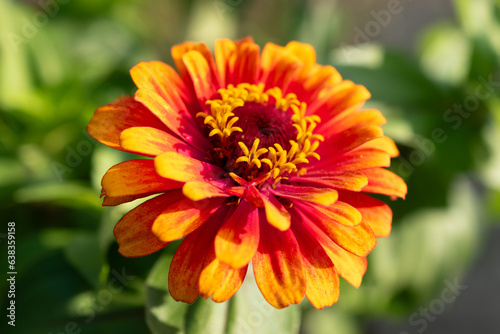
{"x":252,"y":156}
{"x":224,"y":122}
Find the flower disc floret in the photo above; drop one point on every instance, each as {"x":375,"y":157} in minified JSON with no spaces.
{"x":271,"y":130}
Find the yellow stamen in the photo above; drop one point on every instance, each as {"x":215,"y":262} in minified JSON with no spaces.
{"x":252,"y":156}
{"x":224,"y":123}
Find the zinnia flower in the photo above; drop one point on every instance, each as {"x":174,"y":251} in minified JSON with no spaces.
{"x":255,"y":157}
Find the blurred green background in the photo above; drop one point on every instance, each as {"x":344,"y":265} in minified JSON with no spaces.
{"x":433,"y":69}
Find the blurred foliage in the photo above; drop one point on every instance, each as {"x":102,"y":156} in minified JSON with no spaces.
{"x":55,"y":71}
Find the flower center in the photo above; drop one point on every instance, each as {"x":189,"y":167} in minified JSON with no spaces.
{"x":255,"y":132}
{"x":265,"y":122}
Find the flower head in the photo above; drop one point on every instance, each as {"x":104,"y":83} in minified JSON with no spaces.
{"x":255,"y":157}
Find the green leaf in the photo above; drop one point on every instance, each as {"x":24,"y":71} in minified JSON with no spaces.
{"x":163,"y":314}
{"x":246,"y":312}
{"x":391,"y":77}
{"x":16,"y":82}
{"x":84,"y":254}
{"x":11,"y":172}
{"x":323,"y":321}
{"x":446,"y":54}
{"x":475,"y":16}
{"x":206,"y":316}
{"x":425,"y":249}
{"x":70,"y":194}
{"x":250,"y":313}
{"x":494,"y":206}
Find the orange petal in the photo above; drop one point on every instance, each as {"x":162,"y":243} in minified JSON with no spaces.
{"x":383,"y":181}
{"x":112,"y":201}
{"x":306,"y":54}
{"x":359,"y":158}
{"x":136,"y":178}
{"x":178,"y":51}
{"x":358,"y":239}
{"x":349,"y":139}
{"x":182,"y":126}
{"x":375,"y":213}
{"x":350,"y":180}
{"x":276,"y":213}
{"x":238,"y":61}
{"x":188,"y":261}
{"x":349,"y":119}
{"x":246,"y":64}
{"x":339,"y":98}
{"x":110,"y":120}
{"x":323,"y":196}
{"x":340,"y":212}
{"x":349,"y":266}
{"x":319,"y":77}
{"x":163,"y":80}
{"x":178,"y":167}
{"x":204,"y":82}
{"x":238,"y":238}
{"x":303,"y":51}
{"x":218,"y":279}
{"x":199,"y":190}
{"x":133,"y":232}
{"x":278,"y":66}
{"x":152,"y":142}
{"x":385,"y":144}
{"x":278,"y":268}
{"x":224,"y":59}
{"x":183,"y":217}
{"x":322,"y":280}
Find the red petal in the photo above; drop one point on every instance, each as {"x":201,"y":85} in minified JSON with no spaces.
{"x":110,"y":120}
{"x":189,"y":259}
{"x":134,"y":231}
{"x":383,"y":181}
{"x":253,"y":196}
{"x":278,"y":268}
{"x":322,"y":280}
{"x":238,"y":238}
